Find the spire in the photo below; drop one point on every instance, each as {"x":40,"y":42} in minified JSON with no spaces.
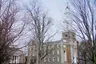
{"x":68,"y":18}
{"x":67,"y":7}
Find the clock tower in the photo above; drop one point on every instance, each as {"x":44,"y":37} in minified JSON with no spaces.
{"x":70,"y":38}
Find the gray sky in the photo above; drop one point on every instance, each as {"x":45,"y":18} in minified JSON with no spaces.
{"x":55,"y":9}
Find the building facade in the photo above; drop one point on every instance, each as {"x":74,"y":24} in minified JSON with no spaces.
{"x":18,"y":58}
{"x":63,"y":51}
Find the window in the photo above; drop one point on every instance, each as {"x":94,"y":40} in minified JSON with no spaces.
{"x":64,"y":46}
{"x":53,"y":52}
{"x":45,"y":47}
{"x":58,"y":45}
{"x":48,"y":47}
{"x":33,"y":46}
{"x":33,"y":54}
{"x":30,"y":48}
{"x":53,"y":59}
{"x":57,"y":51}
{"x":44,"y":59}
{"x":49,"y":59}
{"x":52,"y":46}
{"x":58,"y":59}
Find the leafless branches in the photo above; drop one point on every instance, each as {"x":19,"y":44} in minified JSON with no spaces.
{"x":8,"y":34}
{"x":40,"y":24}
{"x":83,"y":12}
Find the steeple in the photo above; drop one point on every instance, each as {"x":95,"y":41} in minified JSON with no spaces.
{"x":68,"y":18}
{"x":67,"y":8}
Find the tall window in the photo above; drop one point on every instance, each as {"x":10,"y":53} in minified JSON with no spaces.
{"x":58,"y":45}
{"x":49,"y":47}
{"x":53,"y":59}
{"x":58,"y":59}
{"x":33,"y":46}
{"x":33,"y":54}
{"x":52,"y":46}
{"x":30,"y":48}
{"x":57,"y":51}
{"x":44,"y":59}
{"x":45,"y":47}
{"x":53,"y":52}
{"x":49,"y":59}
{"x":64,"y":46}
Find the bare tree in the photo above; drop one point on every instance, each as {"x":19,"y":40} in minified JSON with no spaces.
{"x":9,"y":33}
{"x":40,"y":24}
{"x":83,"y":14}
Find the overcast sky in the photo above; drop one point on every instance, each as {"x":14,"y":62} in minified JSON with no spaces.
{"x":55,"y":9}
